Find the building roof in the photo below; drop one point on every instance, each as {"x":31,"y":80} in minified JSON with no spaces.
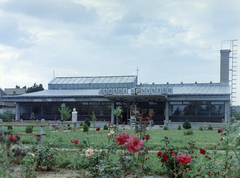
{"x":15,"y":91}
{"x":75,"y":83}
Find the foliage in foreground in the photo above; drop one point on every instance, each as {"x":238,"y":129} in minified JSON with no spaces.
{"x":133,"y":157}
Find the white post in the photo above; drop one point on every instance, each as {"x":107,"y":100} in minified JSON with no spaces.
{"x":42,"y":131}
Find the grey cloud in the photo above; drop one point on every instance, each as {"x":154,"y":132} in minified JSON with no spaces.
{"x":66,"y":11}
{"x":12,"y":35}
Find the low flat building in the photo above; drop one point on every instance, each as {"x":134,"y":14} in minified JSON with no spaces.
{"x":197,"y":102}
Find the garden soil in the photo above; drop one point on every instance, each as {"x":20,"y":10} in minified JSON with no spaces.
{"x":61,"y":173}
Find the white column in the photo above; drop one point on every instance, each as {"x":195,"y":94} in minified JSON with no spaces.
{"x":74,"y":115}
{"x":167,"y":112}
{"x":112,"y":112}
{"x":226,"y":115}
{"x":17,"y":115}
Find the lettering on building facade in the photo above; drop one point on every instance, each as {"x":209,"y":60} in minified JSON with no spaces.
{"x":136,"y":91}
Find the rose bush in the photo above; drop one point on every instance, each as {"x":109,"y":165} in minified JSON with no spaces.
{"x":133,"y":144}
{"x":10,"y":153}
{"x":184,"y":159}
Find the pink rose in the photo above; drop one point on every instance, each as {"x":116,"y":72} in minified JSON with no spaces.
{"x":122,"y":138}
{"x":184,"y":159}
{"x":133,"y":144}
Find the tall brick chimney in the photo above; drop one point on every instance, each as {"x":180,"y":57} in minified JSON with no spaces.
{"x":224,"y":66}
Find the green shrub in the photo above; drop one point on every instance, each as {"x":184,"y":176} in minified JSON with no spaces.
{"x":85,"y":128}
{"x":81,"y":125}
{"x":29,"y":129}
{"x":210,"y":127}
{"x":87,"y":122}
{"x":105,"y":127}
{"x":179,"y":127}
{"x":188,"y":132}
{"x":165,"y":127}
{"x":9,"y":127}
{"x":187,"y":125}
{"x":200,"y":128}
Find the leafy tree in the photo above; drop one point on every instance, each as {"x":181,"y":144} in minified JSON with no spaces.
{"x":35,"y":88}
{"x":65,"y":112}
{"x":94,"y":119}
{"x":117,"y":112}
{"x":7,"y":116}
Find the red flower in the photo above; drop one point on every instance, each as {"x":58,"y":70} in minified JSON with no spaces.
{"x":184,"y":159}
{"x":98,"y":129}
{"x":159,"y":153}
{"x":164,"y":159}
{"x":12,"y":138}
{"x":122,"y":138}
{"x":173,"y":155}
{"x":72,"y":141}
{"x":220,"y":130}
{"x":133,"y":144}
{"x":76,"y":142}
{"x":147,"y":137}
{"x":166,"y":151}
{"x":109,"y":122}
{"x":202,"y":151}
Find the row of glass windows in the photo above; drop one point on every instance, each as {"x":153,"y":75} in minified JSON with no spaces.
{"x":197,"y":108}
{"x":84,"y":108}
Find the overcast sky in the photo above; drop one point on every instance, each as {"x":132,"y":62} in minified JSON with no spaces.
{"x":168,"y":40}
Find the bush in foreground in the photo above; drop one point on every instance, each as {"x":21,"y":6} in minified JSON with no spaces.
{"x":105,"y":127}
{"x":165,"y":128}
{"x":187,"y":125}
{"x":179,"y":127}
{"x":29,"y":129}
{"x":188,"y":132}
{"x":85,"y":128}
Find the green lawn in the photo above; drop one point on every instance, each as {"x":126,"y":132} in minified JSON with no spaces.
{"x":176,"y":137}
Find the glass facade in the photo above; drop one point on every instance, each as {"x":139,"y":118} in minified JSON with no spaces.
{"x":51,"y":108}
{"x":197,"y":108}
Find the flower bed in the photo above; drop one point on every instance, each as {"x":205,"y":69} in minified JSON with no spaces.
{"x":123,"y":154}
